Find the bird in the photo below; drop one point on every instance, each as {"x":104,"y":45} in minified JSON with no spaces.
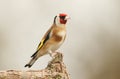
{"x":52,"y":39}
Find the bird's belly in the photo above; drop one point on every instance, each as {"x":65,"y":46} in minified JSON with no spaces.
{"x":56,"y":46}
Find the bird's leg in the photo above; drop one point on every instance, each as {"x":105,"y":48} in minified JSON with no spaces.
{"x":52,"y":54}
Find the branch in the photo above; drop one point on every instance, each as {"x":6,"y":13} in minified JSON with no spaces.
{"x":55,"y":69}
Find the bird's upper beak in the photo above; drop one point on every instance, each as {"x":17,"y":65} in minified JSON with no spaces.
{"x":67,"y":17}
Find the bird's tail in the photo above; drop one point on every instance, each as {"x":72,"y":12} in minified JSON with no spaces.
{"x":32,"y":61}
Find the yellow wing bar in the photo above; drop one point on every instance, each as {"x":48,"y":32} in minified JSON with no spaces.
{"x":40,"y":45}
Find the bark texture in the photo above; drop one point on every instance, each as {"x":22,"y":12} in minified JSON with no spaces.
{"x":55,"y":69}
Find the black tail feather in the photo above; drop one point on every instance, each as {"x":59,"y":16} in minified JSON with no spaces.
{"x":31,"y":62}
{"x":34,"y":54}
{"x":28,"y":65}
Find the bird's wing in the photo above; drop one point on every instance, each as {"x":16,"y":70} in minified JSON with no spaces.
{"x":43,"y":41}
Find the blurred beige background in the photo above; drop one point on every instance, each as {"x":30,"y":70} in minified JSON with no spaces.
{"x":92,"y":46}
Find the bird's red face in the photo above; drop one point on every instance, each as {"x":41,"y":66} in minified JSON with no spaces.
{"x":63,"y":18}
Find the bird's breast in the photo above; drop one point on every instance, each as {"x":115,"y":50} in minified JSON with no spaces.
{"x":59,"y":36}
{"x":58,"y":39}
{"x":61,"y":33}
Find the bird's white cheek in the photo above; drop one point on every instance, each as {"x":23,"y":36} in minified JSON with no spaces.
{"x":57,"y":21}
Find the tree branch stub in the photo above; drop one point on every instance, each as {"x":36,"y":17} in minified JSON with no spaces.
{"x":55,"y":69}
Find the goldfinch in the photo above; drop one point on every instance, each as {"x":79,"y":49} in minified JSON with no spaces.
{"x":52,"y":39}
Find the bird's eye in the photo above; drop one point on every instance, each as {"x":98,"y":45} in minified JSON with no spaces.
{"x":62,"y":17}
